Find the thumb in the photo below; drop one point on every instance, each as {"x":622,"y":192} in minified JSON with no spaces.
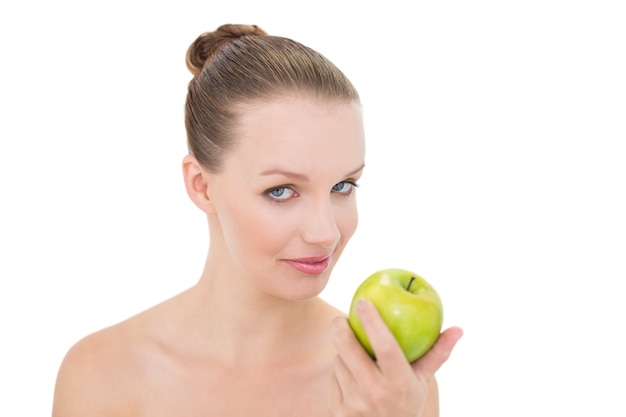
{"x":439,"y":353}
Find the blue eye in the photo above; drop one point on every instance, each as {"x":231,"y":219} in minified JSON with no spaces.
{"x":281,"y":193}
{"x":344,"y":187}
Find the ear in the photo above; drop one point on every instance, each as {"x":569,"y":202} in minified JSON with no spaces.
{"x":197,"y":183}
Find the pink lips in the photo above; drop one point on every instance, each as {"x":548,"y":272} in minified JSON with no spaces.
{"x":314,"y":265}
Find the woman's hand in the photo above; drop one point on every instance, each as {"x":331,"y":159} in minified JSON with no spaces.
{"x":388,"y":386}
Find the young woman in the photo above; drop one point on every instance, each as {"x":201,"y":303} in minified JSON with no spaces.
{"x":276,"y":147}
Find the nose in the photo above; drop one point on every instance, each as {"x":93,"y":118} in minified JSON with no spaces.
{"x":320,"y":226}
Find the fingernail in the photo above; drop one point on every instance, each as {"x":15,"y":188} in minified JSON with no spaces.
{"x":362,"y":304}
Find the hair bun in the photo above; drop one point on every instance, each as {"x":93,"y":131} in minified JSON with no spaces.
{"x":209,"y":43}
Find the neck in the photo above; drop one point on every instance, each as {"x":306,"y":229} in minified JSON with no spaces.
{"x":254,"y":328}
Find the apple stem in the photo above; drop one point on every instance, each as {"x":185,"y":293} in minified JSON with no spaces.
{"x":410,"y":282}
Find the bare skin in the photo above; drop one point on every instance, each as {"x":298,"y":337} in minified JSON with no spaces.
{"x":252,"y":337}
{"x":155,"y":364}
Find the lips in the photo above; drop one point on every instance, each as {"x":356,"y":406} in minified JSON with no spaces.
{"x":311,"y":265}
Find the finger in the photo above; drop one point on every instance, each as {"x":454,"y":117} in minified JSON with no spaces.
{"x":354,"y":358}
{"x":439,"y":353}
{"x":347,"y":382}
{"x":389,"y":355}
{"x":335,"y":394}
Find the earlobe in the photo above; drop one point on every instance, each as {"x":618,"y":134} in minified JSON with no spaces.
{"x":196,"y":183}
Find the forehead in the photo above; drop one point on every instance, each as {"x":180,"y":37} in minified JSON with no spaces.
{"x":301,"y":131}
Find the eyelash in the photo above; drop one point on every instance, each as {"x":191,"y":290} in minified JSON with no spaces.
{"x":269,"y":192}
{"x":352,"y":184}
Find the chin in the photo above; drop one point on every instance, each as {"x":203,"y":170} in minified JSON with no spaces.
{"x":304,"y":288}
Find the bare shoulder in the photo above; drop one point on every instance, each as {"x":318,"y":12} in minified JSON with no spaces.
{"x":327,"y":310}
{"x":103,"y":373}
{"x":92,"y":375}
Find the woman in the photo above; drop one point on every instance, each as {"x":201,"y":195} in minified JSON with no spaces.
{"x":276,"y":147}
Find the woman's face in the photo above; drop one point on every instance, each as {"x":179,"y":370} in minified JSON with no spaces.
{"x":284,"y":205}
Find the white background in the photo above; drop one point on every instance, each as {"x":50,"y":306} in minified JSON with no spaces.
{"x":496,"y":169}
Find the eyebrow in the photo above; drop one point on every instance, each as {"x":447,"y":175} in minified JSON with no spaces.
{"x":299,"y":176}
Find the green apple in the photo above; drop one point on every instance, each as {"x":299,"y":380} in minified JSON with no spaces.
{"x":409,"y":306}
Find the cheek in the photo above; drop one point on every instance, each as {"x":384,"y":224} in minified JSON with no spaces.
{"x":347,"y":221}
{"x":248,"y":231}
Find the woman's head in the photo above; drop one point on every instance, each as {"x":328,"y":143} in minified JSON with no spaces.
{"x":237,"y":65}
{"x":276,"y":146}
